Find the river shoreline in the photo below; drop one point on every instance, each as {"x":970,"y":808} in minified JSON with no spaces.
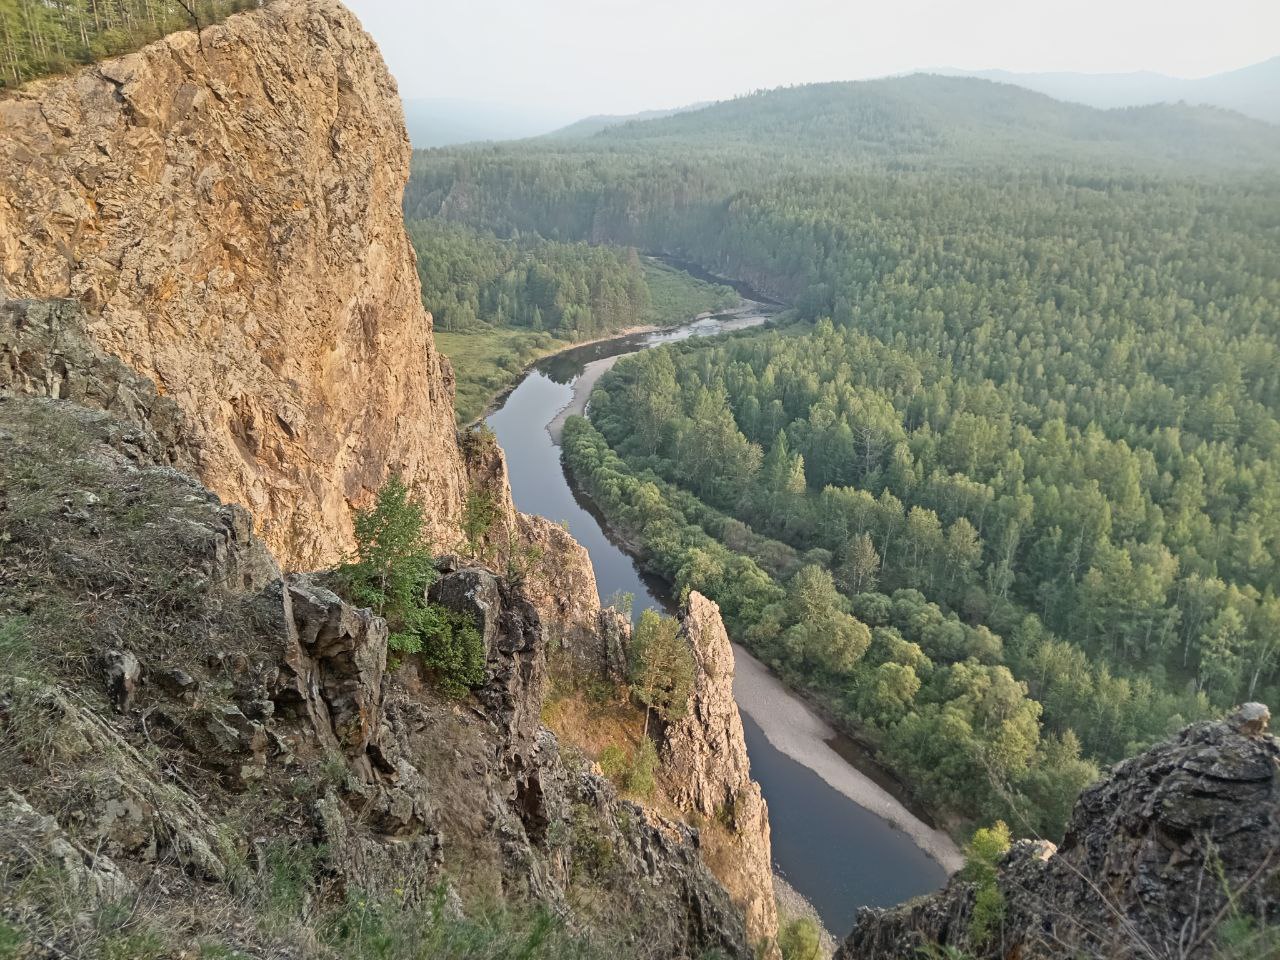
{"x":498,"y":399}
{"x":796,"y":730}
{"x":793,"y":905}
{"x":796,"y":727}
{"x":801,"y":729}
{"x":808,"y":735}
{"x":593,"y":371}
{"x":841,"y":841}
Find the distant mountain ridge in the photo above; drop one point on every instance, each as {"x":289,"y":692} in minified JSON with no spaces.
{"x":589,"y":126}
{"x":934,"y":115}
{"x":442,"y":122}
{"x":1253,"y":90}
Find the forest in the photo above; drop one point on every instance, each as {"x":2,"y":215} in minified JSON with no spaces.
{"x":40,"y":37}
{"x":500,"y":304}
{"x":1005,"y":494}
{"x":571,"y":290}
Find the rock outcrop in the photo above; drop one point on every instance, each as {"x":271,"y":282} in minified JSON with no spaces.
{"x":46,"y":351}
{"x":1160,"y":856}
{"x":183,"y":718}
{"x":706,"y":770}
{"x":207,"y":295}
{"x":227,"y":210}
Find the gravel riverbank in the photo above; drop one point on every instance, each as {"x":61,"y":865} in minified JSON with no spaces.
{"x":795,"y":730}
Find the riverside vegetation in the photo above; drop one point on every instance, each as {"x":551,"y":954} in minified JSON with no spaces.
{"x":1004,"y":497}
{"x":498,"y":305}
{"x":183,"y":724}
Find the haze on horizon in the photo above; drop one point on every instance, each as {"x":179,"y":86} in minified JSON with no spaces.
{"x":572,"y":58}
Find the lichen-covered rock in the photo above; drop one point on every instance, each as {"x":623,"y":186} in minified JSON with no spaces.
{"x":1156,"y":855}
{"x":227,"y":209}
{"x":515,"y":653}
{"x":32,"y":845}
{"x":562,"y":586}
{"x":706,"y":768}
{"x":333,"y":658}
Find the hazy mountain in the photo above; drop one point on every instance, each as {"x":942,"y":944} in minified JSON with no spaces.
{"x":441,"y":122}
{"x":1253,"y":91}
{"x":589,"y":126}
{"x":939,"y":116}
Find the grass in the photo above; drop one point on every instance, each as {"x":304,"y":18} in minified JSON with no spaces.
{"x":676,"y":296}
{"x":489,"y":360}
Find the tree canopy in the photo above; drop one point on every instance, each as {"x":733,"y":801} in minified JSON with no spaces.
{"x":1004,"y":494}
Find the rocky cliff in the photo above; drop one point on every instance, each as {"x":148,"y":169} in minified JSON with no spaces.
{"x":200,"y":754}
{"x":1175,"y":853}
{"x":226,"y":207}
{"x":706,"y":770}
{"x":207,"y":297}
{"x":226,"y":210}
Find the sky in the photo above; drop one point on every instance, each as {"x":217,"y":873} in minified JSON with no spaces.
{"x":580,"y":57}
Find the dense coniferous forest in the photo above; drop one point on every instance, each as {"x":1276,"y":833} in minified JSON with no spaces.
{"x":39,"y":37}
{"x":573,"y":291}
{"x":1006,"y":493}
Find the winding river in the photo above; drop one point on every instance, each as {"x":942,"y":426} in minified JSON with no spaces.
{"x":841,"y":837}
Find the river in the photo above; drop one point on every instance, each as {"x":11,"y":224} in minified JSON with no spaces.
{"x":836,"y":833}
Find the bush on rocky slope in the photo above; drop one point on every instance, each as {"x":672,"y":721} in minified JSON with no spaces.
{"x":203,"y":757}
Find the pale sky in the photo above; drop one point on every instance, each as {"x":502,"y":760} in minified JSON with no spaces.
{"x":619,"y":56}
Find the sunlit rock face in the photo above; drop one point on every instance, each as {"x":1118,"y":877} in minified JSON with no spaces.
{"x":707,"y":771}
{"x":227,"y":210}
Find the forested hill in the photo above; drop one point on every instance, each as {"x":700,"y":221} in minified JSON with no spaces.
{"x":961,"y":116}
{"x":1007,"y":501}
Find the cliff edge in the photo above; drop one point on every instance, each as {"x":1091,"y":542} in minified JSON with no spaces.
{"x":707,"y":772}
{"x":227,"y":208}
{"x":1175,"y":853}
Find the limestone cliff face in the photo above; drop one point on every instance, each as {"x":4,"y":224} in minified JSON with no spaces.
{"x":1159,"y":857}
{"x":706,"y":770}
{"x":227,"y":209}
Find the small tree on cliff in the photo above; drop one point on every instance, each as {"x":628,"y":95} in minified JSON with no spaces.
{"x":982,"y":854}
{"x":662,"y":667}
{"x":392,"y":567}
{"x":391,"y":573}
{"x":478,"y":514}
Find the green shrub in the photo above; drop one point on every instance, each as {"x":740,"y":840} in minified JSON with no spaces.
{"x":367,"y":929}
{"x":391,"y":573}
{"x":661,"y":667}
{"x":988,"y":913}
{"x":798,"y":939}
{"x":393,"y":566}
{"x":640,"y":779}
{"x":452,"y":648}
{"x":614,"y":763}
{"x":478,"y":514}
{"x":982,"y":853}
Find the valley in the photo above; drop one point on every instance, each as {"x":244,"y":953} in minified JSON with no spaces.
{"x":433,"y":555}
{"x":811,"y":791}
